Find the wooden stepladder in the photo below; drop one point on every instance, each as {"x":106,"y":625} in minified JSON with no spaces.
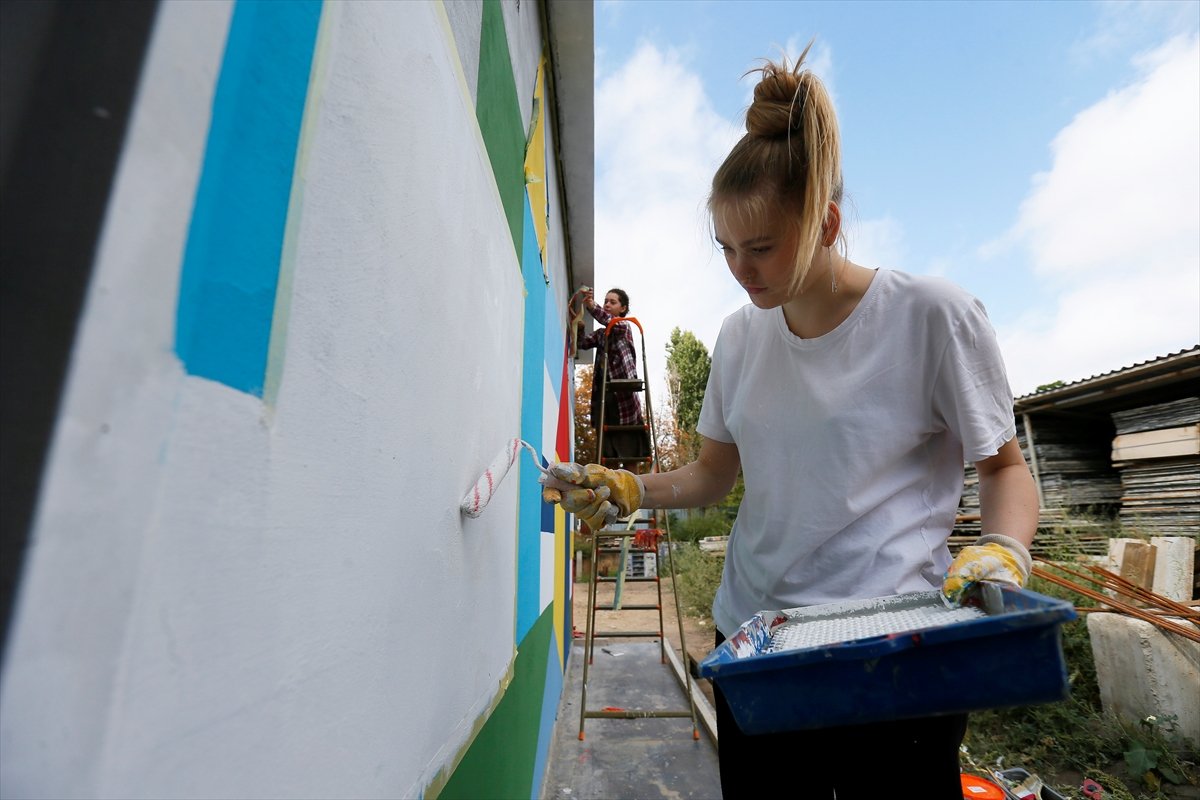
{"x":637,"y":540}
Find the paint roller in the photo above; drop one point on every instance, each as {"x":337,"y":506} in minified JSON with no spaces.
{"x":481,"y":493}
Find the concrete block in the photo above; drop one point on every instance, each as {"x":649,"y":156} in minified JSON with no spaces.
{"x":1143,"y":670}
{"x":1174,"y":566}
{"x":1116,"y":553}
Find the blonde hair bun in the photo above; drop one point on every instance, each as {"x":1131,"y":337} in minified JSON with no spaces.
{"x":777,"y":98}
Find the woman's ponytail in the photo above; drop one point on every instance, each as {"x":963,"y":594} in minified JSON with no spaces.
{"x":790,"y":157}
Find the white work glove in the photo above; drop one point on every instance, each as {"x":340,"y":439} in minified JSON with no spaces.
{"x":992,"y":558}
{"x":596,"y":494}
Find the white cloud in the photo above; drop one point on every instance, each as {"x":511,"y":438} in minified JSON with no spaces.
{"x":1113,"y":229}
{"x":658,"y":143}
{"x":876,"y":242}
{"x":1122,"y":24}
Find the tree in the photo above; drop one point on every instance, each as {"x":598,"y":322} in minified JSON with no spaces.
{"x":585,"y":434}
{"x":688,"y":364}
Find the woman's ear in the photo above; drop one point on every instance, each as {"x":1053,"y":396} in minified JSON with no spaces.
{"x":832,"y":225}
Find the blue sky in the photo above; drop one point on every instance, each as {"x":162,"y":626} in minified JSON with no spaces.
{"x":1045,"y":156}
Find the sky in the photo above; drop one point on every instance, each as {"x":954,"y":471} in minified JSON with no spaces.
{"x":1045,"y":156}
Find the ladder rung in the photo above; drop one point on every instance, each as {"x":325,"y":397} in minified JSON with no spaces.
{"x":628,"y":635}
{"x":603,"y":579}
{"x":609,"y":533}
{"x":637,"y":460}
{"x":626,"y":427}
{"x":631,"y":607}
{"x":634,"y":713}
{"x":616,"y":548}
{"x":626,"y":384}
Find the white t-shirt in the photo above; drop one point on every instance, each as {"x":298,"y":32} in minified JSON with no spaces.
{"x":852,"y":444}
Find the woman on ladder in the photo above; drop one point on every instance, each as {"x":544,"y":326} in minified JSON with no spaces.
{"x":616,"y":354}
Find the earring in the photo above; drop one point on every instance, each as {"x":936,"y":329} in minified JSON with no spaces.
{"x":833,"y":275}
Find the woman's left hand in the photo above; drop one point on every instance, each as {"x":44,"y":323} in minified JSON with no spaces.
{"x":991,"y":558}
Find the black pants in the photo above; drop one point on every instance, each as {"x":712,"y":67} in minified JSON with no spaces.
{"x":903,"y":758}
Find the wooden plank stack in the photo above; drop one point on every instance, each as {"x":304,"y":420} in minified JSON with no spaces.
{"x":1157,"y":454}
{"x":1073,"y":456}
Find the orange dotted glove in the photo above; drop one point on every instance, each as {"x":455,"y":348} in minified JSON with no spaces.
{"x":596,"y":494}
{"x":992,"y":558}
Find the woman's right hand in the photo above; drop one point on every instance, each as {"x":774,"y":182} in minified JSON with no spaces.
{"x":595,"y":494}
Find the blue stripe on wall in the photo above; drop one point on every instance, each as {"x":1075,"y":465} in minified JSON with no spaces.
{"x":555,"y":331}
{"x":231,"y":261}
{"x":551,"y":694}
{"x":529,"y":537}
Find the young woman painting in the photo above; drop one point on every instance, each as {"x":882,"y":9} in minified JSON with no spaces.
{"x":850,"y":398}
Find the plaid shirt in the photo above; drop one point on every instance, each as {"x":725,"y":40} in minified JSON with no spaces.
{"x":622,"y":357}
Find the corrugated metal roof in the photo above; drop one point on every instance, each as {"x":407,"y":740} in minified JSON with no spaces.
{"x":1170,"y":368}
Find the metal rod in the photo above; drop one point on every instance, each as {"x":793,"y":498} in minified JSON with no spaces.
{"x":1128,"y":588}
{"x":1142,"y":593}
{"x":1132,"y":611}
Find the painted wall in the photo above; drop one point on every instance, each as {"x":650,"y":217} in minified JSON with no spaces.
{"x":329,"y":288}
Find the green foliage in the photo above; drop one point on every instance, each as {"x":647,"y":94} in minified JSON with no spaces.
{"x":1045,"y":387}
{"x":729,"y":506}
{"x":1157,"y":752}
{"x":697,"y":575}
{"x":585,"y":434}
{"x":696,"y":527}
{"x":688,"y":364}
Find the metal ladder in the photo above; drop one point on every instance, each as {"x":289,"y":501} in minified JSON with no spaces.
{"x":632,"y":540}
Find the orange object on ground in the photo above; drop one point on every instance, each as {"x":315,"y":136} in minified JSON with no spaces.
{"x":976,"y":788}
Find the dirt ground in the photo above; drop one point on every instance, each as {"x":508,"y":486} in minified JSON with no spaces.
{"x":698,"y":634}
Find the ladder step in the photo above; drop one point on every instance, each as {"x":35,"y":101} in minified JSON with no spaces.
{"x":634,"y":713}
{"x":638,"y":460}
{"x":626,"y":427}
{"x":603,"y":579}
{"x":608,"y":548}
{"x":626,"y":384}
{"x":628,"y":635}
{"x":630,"y":607}
{"x":609,"y":533}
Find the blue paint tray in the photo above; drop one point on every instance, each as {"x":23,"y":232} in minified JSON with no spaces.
{"x":891,"y":658}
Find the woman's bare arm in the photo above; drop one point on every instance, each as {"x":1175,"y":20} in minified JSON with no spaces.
{"x":1007,"y":496}
{"x":703,"y":482}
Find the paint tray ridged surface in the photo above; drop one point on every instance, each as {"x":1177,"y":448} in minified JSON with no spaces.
{"x":892,"y":657}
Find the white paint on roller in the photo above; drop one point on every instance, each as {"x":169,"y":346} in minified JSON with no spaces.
{"x":476,"y":500}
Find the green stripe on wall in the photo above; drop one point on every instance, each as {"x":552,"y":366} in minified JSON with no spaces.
{"x":500,"y":762}
{"x":499,"y":116}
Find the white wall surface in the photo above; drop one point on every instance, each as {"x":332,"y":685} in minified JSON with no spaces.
{"x":226,"y":598}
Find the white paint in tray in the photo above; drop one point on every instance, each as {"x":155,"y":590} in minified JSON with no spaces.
{"x":820,"y":626}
